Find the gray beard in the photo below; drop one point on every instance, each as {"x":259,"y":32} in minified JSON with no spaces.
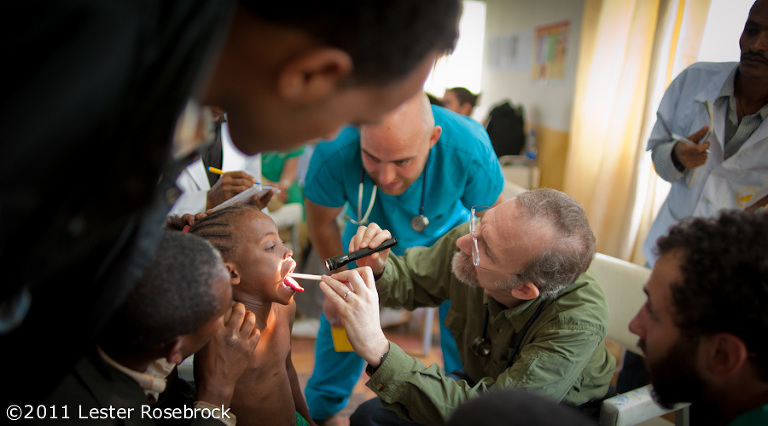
{"x":463,"y":269}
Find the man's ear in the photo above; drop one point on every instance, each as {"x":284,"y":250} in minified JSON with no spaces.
{"x":465,"y":108}
{"x":724,"y":354}
{"x":525,"y":291}
{"x":313,"y":75}
{"x":436,"y":132}
{"x":173,"y":351}
{"x":234,"y":275}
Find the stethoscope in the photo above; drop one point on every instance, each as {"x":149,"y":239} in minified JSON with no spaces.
{"x":418,"y":223}
{"x":481,"y":346}
{"x":364,"y":220}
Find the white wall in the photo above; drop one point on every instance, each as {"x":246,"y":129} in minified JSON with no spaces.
{"x":546,"y":103}
{"x":725,"y":22}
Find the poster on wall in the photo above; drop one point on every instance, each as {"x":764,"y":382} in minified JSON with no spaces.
{"x":551,"y":49}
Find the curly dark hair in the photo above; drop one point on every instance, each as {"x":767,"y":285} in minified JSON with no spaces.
{"x":725,"y":284}
{"x":386,"y":39}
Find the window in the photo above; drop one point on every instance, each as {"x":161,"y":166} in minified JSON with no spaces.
{"x":464,"y":67}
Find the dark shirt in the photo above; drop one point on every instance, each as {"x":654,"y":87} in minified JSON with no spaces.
{"x":88,"y":116}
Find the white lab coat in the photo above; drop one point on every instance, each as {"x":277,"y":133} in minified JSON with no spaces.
{"x":719,"y":184}
{"x":193,"y":180}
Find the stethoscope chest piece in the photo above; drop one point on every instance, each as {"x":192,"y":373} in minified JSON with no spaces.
{"x":481,"y":346}
{"x":418,"y":223}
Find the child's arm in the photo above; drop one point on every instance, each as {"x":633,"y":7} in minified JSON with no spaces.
{"x":298,"y":396}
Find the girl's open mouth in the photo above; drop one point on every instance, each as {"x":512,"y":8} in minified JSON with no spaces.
{"x":288,"y":281}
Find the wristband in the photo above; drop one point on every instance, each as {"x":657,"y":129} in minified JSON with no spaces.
{"x":369,"y":370}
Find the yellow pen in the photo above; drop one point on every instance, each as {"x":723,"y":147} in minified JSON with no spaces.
{"x":221,"y":172}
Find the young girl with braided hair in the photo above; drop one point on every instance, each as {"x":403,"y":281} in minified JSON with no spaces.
{"x":260,"y":267}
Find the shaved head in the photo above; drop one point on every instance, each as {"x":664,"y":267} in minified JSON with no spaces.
{"x":412,"y":117}
{"x":395,"y":150}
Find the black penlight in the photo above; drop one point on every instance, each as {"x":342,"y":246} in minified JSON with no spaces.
{"x":337,"y":262}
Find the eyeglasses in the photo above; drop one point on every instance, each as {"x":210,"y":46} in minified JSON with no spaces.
{"x":474,"y":229}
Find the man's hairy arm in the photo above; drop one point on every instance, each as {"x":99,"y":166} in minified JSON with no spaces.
{"x":325,"y":236}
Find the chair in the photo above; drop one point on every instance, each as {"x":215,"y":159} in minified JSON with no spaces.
{"x":623,"y":283}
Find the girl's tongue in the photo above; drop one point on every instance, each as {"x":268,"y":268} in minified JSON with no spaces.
{"x":288,"y":280}
{"x":292,"y":284}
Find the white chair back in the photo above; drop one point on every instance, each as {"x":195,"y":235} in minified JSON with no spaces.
{"x":623,"y":284}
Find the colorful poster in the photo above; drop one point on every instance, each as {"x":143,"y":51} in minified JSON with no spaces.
{"x":551,"y":49}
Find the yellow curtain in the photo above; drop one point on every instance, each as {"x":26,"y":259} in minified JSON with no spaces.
{"x":614,"y":106}
{"x":677,"y":46}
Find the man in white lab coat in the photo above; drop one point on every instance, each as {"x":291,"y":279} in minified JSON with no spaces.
{"x":711,"y":142}
{"x":721,"y":108}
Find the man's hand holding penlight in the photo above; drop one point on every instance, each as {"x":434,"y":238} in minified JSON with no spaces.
{"x":371,"y":236}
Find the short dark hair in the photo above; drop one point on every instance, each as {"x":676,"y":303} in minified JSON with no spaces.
{"x":174,"y":296}
{"x":464,"y":96}
{"x":386,"y":39}
{"x":516,"y":407}
{"x":725,"y":278}
{"x":574,"y":246}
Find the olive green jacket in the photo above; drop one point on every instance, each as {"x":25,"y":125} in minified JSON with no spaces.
{"x":562,"y":356}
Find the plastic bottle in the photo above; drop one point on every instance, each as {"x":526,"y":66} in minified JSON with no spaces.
{"x":530,"y":150}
